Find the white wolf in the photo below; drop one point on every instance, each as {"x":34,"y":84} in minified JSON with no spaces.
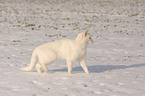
{"x":67,"y":49}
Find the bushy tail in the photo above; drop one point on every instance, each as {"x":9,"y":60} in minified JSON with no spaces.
{"x":32,"y":63}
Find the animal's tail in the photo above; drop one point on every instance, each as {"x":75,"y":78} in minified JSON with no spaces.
{"x":32,"y":63}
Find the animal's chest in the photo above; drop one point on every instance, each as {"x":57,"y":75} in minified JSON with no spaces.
{"x":78,"y":53}
{"x":81,"y":53}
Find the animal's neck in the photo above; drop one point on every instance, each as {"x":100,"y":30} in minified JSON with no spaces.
{"x":82,"y":43}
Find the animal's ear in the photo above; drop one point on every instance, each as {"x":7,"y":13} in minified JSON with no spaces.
{"x":86,"y":33}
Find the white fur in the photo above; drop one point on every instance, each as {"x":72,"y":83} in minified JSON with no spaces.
{"x":66,"y":49}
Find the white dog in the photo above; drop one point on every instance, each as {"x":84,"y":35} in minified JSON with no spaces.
{"x":66,"y":49}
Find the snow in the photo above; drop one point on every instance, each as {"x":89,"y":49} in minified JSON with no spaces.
{"x":116,"y":59}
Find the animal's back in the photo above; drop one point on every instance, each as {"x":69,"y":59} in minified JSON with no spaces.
{"x":61,"y":49}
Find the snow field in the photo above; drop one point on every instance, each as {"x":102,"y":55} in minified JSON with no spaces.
{"x":116,"y":60}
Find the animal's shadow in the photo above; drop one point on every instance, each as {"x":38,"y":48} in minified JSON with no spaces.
{"x":102,"y":68}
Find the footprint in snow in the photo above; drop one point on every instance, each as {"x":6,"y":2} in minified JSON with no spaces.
{"x":95,"y":81}
{"x":98,"y":92}
{"x":85,"y":85}
{"x":64,"y":78}
{"x":102,"y":84}
{"x":36,"y":83}
{"x":15,"y":88}
{"x":120,"y":84}
{"x":107,"y":76}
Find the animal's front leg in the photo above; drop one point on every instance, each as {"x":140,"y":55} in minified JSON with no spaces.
{"x":69,"y":64}
{"x":83,"y":64}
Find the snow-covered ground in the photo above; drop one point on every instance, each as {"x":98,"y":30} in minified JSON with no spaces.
{"x":116,"y":60}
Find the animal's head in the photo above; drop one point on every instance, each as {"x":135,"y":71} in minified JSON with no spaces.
{"x":84,"y":37}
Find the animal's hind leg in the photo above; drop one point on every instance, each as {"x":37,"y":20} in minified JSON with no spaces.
{"x":45,"y":68}
{"x":38,"y":68}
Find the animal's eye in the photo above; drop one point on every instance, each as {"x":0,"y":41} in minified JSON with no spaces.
{"x":90,"y":38}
